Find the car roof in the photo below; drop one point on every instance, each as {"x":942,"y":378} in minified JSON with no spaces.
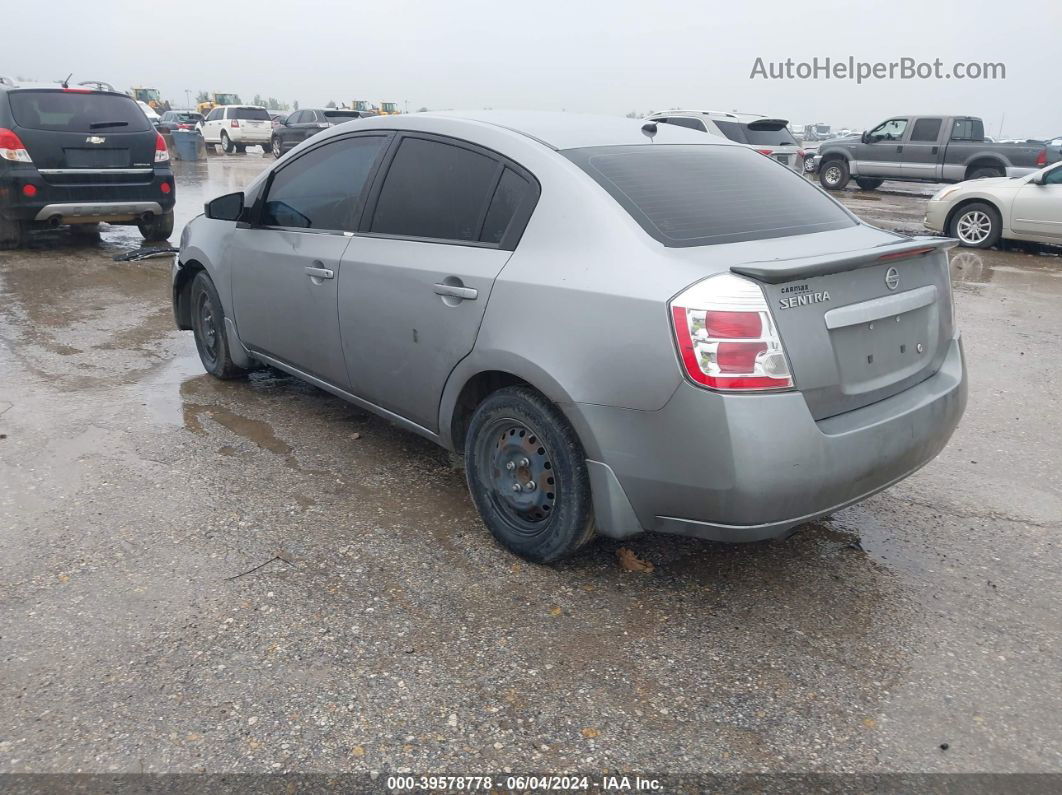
{"x":722,"y":115}
{"x":557,"y":130}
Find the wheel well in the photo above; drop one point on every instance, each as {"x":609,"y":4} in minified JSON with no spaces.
{"x":832,"y":156}
{"x":966,"y":203}
{"x":984,"y":163}
{"x":181,"y":293}
{"x":472,"y":394}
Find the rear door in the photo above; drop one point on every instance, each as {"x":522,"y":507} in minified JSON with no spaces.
{"x":80,"y":132}
{"x":1037,"y":209}
{"x":921,"y":150}
{"x":415,"y":283}
{"x":286,"y":264}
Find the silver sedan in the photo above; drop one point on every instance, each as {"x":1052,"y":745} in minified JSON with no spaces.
{"x":621,"y":326}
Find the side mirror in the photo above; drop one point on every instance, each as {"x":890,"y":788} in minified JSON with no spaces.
{"x":225,"y":208}
{"x":865,"y":137}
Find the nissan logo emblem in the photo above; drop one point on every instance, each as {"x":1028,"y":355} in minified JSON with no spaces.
{"x":892,"y":278}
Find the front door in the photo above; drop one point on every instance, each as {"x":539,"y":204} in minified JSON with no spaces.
{"x":882,"y":156}
{"x":415,"y":284}
{"x":1037,"y":209}
{"x":286,"y":265}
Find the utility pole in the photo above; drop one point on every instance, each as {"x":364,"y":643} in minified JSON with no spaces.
{"x":188,"y":98}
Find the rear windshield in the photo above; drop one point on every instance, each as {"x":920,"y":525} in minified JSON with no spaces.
{"x":340,"y":116}
{"x":689,"y":195}
{"x":251,"y":114}
{"x":189,"y":116}
{"x":76,"y":111}
{"x":744,"y":134}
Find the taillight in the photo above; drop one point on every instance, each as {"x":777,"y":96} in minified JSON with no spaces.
{"x":234,"y":123}
{"x":29,"y":191}
{"x":11,"y":147}
{"x":162,"y":154}
{"x":726,"y":337}
{"x":1041,"y":159}
{"x":165,"y":188}
{"x":764,"y":151}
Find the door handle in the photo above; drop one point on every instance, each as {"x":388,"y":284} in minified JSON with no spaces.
{"x":452,"y":290}
{"x":320,"y":273}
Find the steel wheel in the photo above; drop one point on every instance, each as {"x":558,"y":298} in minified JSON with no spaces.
{"x":974,"y":227}
{"x":276,"y":148}
{"x":206,"y":329}
{"x":516,"y":463}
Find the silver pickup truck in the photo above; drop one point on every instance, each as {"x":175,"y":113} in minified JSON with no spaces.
{"x":923,"y":149}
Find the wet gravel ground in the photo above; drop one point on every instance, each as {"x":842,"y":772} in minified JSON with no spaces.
{"x":256,"y":576}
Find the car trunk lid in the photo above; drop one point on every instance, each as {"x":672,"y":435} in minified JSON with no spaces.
{"x":860,"y":326}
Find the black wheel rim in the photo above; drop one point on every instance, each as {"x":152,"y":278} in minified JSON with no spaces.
{"x":207,"y":326}
{"x":516,"y":466}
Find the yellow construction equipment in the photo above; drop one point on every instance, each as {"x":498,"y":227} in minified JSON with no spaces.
{"x":217,"y":99}
{"x":149,"y":96}
{"x":389,"y":109}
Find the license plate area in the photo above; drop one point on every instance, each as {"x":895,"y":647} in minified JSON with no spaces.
{"x":874,"y":354}
{"x":96,"y":158}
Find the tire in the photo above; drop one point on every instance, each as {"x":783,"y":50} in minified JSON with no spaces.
{"x":158,"y":228}
{"x":227,"y":144}
{"x":834,"y":174}
{"x":276,"y":147}
{"x":985,"y":172}
{"x":12,"y":234}
{"x":208,"y":327}
{"x":976,"y":225}
{"x":868,"y":183}
{"x":540,"y":508}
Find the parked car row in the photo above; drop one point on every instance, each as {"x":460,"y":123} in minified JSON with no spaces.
{"x":769,"y":137}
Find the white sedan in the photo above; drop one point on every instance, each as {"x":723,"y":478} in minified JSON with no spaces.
{"x":981,"y":211}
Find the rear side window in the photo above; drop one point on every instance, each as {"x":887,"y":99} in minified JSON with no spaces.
{"x":510,"y":197}
{"x":769,"y":135}
{"x":688,"y":195}
{"x":926,"y":130}
{"x":967,"y":130}
{"x":320,"y":190}
{"x":250,"y":114}
{"x":76,"y":111}
{"x":435,"y":190}
{"x":340,"y":116}
{"x":686,"y":121}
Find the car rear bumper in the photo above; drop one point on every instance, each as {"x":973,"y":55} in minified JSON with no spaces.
{"x":255,"y":137}
{"x":751,"y":467}
{"x":85,"y":196}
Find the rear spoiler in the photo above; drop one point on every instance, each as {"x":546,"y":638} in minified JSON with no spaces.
{"x":784,"y":270}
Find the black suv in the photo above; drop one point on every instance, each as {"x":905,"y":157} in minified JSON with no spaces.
{"x":299,"y":125}
{"x":80,"y":156}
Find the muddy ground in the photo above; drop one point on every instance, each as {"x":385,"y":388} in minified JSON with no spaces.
{"x":256,"y":576}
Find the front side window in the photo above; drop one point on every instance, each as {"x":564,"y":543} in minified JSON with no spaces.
{"x":435,"y":190}
{"x":321,"y":189}
{"x":891,"y":130}
{"x":214,"y":115}
{"x":1053,"y":177}
{"x":689,"y":195}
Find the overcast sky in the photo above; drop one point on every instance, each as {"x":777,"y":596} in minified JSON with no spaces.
{"x":578,"y":55}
